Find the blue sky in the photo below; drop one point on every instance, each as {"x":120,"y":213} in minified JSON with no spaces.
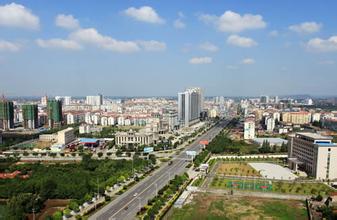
{"x":136,"y":48}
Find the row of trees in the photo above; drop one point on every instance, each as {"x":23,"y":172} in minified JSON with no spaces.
{"x":156,"y":204}
{"x":223,"y":144}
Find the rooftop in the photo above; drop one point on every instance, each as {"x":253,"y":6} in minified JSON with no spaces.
{"x":88,"y":140}
{"x":272,"y":141}
{"x":314,"y":136}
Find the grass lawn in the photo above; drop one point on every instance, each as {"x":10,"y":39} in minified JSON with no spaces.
{"x":275,"y":186}
{"x":237,"y":169}
{"x":213,"y":207}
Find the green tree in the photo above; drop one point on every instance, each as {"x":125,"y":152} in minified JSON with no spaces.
{"x":152,"y":158}
{"x":47,"y":189}
{"x":73,"y":205}
{"x":57,"y":215}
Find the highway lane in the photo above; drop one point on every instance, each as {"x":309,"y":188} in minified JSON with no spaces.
{"x":127,"y":205}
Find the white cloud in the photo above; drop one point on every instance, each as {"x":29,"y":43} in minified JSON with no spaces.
{"x":327,"y":62}
{"x":322,"y":45}
{"x":248,"y":61}
{"x":201,"y":60}
{"x":233,"y":22}
{"x":91,"y":36}
{"x":16,"y":15}
{"x":58,"y":43}
{"x":306,"y":27}
{"x":9,"y":46}
{"x":274,"y":33}
{"x":67,"y":22}
{"x":207,"y":46}
{"x":231,"y":67}
{"x":144,"y":14}
{"x":152,"y":45}
{"x":239,"y":41}
{"x":179,"y":24}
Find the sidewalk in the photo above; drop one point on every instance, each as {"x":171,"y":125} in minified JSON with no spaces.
{"x":255,"y":194}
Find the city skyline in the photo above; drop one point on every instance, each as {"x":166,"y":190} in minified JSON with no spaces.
{"x":148,"y":48}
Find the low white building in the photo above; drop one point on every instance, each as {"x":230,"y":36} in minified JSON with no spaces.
{"x":87,"y":129}
{"x":104,"y":121}
{"x":111,"y":121}
{"x":62,"y":137}
{"x":136,"y":138}
{"x":65,"y":136}
{"x":269,"y":123}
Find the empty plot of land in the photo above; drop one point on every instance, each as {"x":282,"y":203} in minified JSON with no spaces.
{"x":273,"y":171}
{"x":237,"y":169}
{"x":210,"y":206}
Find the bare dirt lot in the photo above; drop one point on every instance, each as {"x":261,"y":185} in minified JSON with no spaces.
{"x":210,"y":206}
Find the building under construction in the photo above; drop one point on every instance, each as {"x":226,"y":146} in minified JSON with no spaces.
{"x":54,"y":109}
{"x":6,"y":115}
{"x":30,"y":116}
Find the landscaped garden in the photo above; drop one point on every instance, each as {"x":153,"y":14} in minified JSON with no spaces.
{"x":236,"y":169}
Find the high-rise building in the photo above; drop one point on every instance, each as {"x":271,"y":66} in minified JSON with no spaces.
{"x":30,"y":116}
{"x":66,"y":100}
{"x":96,"y":100}
{"x":276,"y":100}
{"x":270,"y":123}
{"x":264,"y":99}
{"x":249,"y":129}
{"x":6,"y":115}
{"x":54,"y":109}
{"x":190,"y":105}
{"x":313,"y":153}
{"x":44,"y":100}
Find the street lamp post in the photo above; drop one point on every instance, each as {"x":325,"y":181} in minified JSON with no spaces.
{"x":156,"y":189}
{"x":139,"y":203}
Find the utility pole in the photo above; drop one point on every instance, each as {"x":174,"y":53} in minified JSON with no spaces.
{"x":156,"y":189}
{"x":133,"y":172}
{"x":97,"y":194}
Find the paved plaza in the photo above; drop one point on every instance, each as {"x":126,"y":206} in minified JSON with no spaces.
{"x":273,"y":171}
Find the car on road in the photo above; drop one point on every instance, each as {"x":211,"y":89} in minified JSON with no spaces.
{"x":136,"y":194}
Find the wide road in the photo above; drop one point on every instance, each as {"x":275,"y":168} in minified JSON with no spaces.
{"x":129,"y":203}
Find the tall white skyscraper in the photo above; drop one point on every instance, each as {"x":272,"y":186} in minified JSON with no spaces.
{"x":96,"y":100}
{"x":249,"y":129}
{"x":190,"y":105}
{"x":66,"y":100}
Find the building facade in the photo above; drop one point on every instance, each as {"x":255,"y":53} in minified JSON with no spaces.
{"x":297,"y":118}
{"x":313,"y":153}
{"x":134,"y":138}
{"x":190,"y":105}
{"x":65,"y":136}
{"x":30,"y":116}
{"x":6,"y":115}
{"x":249,"y":129}
{"x":54,"y":110}
{"x":96,"y":100}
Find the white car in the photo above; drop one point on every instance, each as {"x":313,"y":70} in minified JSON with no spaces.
{"x":136,"y":194}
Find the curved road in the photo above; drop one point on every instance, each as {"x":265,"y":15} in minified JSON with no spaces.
{"x":129,"y":203}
